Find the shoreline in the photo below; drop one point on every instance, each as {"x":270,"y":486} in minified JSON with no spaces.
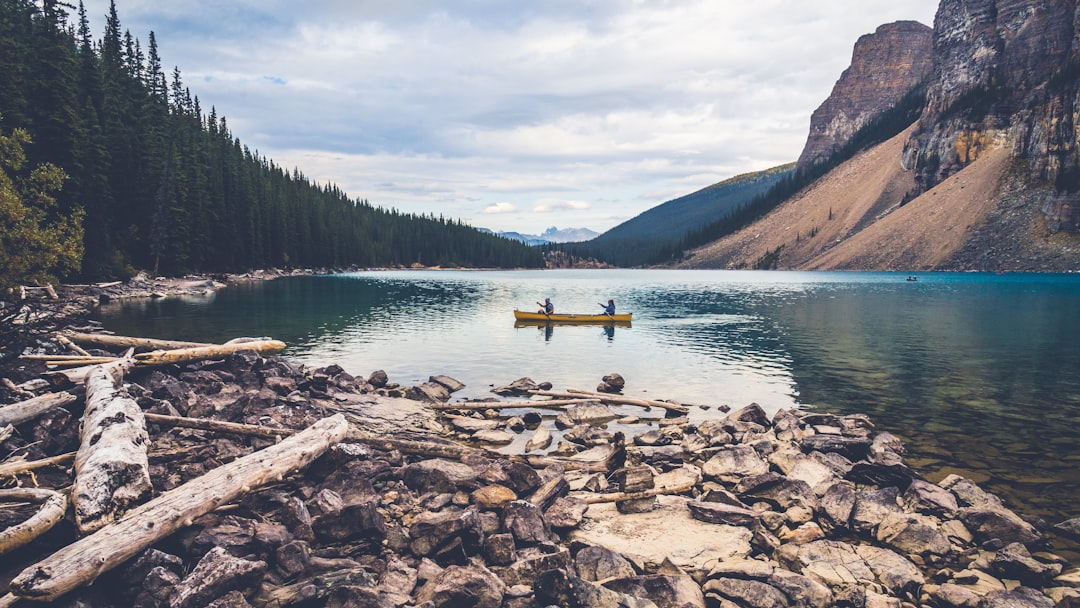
{"x":775,"y":496}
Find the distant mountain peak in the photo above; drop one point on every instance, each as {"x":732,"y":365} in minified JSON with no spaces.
{"x":552,"y":234}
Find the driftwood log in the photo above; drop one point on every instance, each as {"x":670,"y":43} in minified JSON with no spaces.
{"x":107,"y":341}
{"x":18,"y":467}
{"x":220,"y":426}
{"x":213,"y":351}
{"x":18,"y":413}
{"x":553,"y":404}
{"x":112,"y":472}
{"x":53,"y":507}
{"x":609,"y":398}
{"x":77,"y":375}
{"x":63,"y":340}
{"x":84,"y":560}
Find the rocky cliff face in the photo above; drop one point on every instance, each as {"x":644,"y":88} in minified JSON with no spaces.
{"x":885,"y":66}
{"x":1005,"y":73}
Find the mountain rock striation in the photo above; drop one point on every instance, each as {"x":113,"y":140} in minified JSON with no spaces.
{"x":885,"y":66}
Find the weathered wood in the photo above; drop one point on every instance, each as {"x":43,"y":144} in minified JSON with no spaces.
{"x":77,"y":375}
{"x":218,"y":426}
{"x":84,"y":361}
{"x":201,"y":353}
{"x":61,"y":357}
{"x":18,"y":467}
{"x":623,"y":496}
{"x":53,"y":507}
{"x":451,"y":451}
{"x":64,"y":341}
{"x":112,"y":472}
{"x":550,"y":491}
{"x":18,"y":390}
{"x":609,"y":398}
{"x":87,"y":558}
{"x":552,"y":404}
{"x":119,"y":342}
{"x":23,"y":411}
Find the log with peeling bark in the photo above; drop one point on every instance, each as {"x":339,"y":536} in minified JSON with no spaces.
{"x":112,"y":472}
{"x":201,"y":353}
{"x":429,"y":449}
{"x":23,"y":411}
{"x":18,"y":467}
{"x":554,"y":404}
{"x":77,"y":375}
{"x":218,"y":425}
{"x":53,"y":507}
{"x":84,"y":560}
{"x":108,"y":341}
{"x":64,"y":341}
{"x":609,"y":398}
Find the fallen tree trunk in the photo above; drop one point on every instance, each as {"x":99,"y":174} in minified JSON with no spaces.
{"x":87,"y":558}
{"x":18,"y":413}
{"x":112,"y":472}
{"x":429,"y":449}
{"x":62,"y":339}
{"x":621,"y":496}
{"x":553,"y":404}
{"x":200,"y":353}
{"x":122,"y":342}
{"x":17,"y":467}
{"x":217,"y":425}
{"x":77,"y":375}
{"x":609,"y":398}
{"x":53,"y":507}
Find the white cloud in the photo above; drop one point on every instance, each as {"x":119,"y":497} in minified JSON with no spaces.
{"x":500,"y":208}
{"x":552,"y":206}
{"x":456,"y":106}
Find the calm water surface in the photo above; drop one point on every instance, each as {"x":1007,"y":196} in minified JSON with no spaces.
{"x":978,"y":374}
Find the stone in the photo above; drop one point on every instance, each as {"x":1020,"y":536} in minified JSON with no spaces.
{"x":428,"y":392}
{"x":450,"y":384}
{"x":753,"y":414}
{"x":838,"y":502}
{"x":359,"y":519}
{"x":731,"y":463}
{"x":525,"y":521}
{"x":666,"y":591}
{"x":594,"y":564}
{"x":930,"y":499}
{"x":438,"y":475}
{"x":566,"y":512}
{"x":517,"y":388}
{"x":499,"y":549}
{"x":431,"y":530}
{"x":801,"y":590}
{"x":720,"y":513}
{"x":494,"y":437}
{"x":493,"y":496}
{"x":913,"y":534}
{"x":216,"y":574}
{"x":752,"y":593}
{"x":472,"y":585}
{"x":872,"y":506}
{"x":1015,"y":562}
{"x":997,"y":522}
{"x":565,"y":590}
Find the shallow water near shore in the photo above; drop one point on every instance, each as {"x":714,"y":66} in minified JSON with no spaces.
{"x":979,"y":374}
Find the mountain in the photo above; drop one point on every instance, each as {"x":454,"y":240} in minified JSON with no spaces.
{"x":653,"y":235}
{"x":986,"y":178}
{"x":551,"y":235}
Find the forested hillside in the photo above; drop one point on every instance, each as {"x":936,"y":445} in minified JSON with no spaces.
{"x":167,"y":187}
{"x":655,"y":236}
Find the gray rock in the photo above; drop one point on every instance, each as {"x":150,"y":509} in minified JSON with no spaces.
{"x":968,"y":494}
{"x":351,"y":521}
{"x":666,"y":591}
{"x":1022,"y":597}
{"x":801,"y":590}
{"x":216,"y":574}
{"x":732,"y":463}
{"x":438,"y":475}
{"x":432,"y":530}
{"x":566,"y":512}
{"x":996,"y":522}
{"x":524,"y":520}
{"x":1015,"y":562}
{"x":924,"y":497}
{"x":499,"y":549}
{"x":872,"y":506}
{"x":913,"y":534}
{"x":447,"y":382}
{"x":595,"y":563}
{"x":473,"y":586}
{"x":519,"y":387}
{"x":838,"y":503}
{"x":852,"y":448}
{"x":565,"y":590}
{"x":752,"y":413}
{"x":534,"y":561}
{"x":721,"y":513}
{"x":749,"y":593}
{"x":429,"y":392}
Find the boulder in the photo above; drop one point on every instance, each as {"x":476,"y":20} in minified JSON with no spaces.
{"x":666,"y":591}
{"x":594,"y":563}
{"x":216,"y":574}
{"x":731,"y":463}
{"x":472,"y":585}
{"x":913,"y":534}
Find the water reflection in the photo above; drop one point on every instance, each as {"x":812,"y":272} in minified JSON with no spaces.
{"x":548,"y":327}
{"x":977,"y":373}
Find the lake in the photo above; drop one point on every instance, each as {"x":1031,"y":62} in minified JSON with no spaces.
{"x":979,"y":374}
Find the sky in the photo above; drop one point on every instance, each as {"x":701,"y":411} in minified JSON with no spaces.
{"x":513,"y":115}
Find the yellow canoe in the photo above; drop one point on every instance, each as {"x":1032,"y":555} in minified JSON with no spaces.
{"x":521,"y":315}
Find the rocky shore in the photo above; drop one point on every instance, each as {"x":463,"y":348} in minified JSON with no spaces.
{"x":413,"y":504}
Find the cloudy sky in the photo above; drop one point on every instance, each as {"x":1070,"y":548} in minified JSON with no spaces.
{"x":514,"y":114}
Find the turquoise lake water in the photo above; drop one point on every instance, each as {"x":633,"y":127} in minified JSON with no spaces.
{"x":979,"y":374}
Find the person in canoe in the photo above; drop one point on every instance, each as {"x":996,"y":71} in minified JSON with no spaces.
{"x":547,"y":308}
{"x":609,"y":308}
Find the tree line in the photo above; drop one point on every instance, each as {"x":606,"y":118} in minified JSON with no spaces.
{"x":162,"y":185}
